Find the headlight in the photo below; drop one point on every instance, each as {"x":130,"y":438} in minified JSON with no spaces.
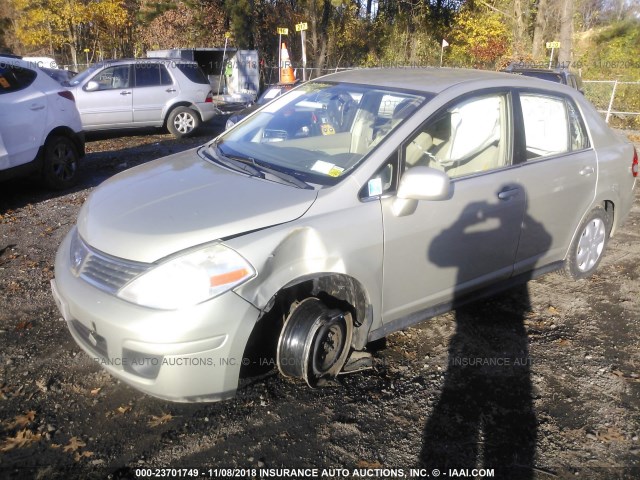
{"x":189,"y":279}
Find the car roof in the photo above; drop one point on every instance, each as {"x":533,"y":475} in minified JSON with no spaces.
{"x":431,"y":79}
{"x":143,"y":60}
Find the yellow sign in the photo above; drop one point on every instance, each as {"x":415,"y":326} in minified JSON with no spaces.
{"x":553,"y":44}
{"x":283,"y":31}
{"x":227,"y":34}
{"x":301,"y":26}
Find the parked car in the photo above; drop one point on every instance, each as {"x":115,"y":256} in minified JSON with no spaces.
{"x":40,"y":128}
{"x":169,"y":93}
{"x":271,"y":92}
{"x":353,"y":206}
{"x":558,"y":75}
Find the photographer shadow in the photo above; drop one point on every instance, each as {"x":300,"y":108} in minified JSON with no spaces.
{"x":484,"y":417}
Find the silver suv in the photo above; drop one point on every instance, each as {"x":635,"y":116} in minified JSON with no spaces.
{"x":144,"y":93}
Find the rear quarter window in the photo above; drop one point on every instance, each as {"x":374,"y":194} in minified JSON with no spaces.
{"x":14,"y":78}
{"x":193,"y":73}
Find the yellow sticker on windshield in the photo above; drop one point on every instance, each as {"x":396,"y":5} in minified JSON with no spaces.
{"x":335,"y":171}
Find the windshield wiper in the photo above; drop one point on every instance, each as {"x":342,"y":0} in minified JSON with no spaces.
{"x":233,"y":163}
{"x":260,"y":169}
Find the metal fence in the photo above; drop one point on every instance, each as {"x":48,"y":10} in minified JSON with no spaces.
{"x":619,"y":101}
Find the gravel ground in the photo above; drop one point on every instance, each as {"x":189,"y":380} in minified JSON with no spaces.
{"x":560,"y":399}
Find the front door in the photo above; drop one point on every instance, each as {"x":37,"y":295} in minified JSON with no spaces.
{"x":110,"y":104}
{"x":440,"y":250}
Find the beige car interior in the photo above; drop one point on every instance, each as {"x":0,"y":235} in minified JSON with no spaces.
{"x":466,"y":139}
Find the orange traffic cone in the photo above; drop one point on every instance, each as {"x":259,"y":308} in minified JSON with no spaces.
{"x":286,"y":72}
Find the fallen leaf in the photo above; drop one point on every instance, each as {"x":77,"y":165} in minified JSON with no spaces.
{"x":41,"y":385}
{"x":55,"y":445}
{"x":96,"y":391}
{"x":22,"y":439}
{"x":366,"y":464}
{"x":612,"y":434}
{"x":552,"y":309}
{"x":23,"y":420}
{"x":23,"y":325}
{"x":563,"y":342}
{"x":123,"y":409}
{"x":74,"y":444}
{"x":77,"y":456}
{"x":156,"y":421}
{"x":618,"y":373}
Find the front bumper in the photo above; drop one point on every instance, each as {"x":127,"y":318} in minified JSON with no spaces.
{"x":188,"y":355}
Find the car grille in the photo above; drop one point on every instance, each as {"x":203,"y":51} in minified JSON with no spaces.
{"x":103,"y":271}
{"x":96,"y":343}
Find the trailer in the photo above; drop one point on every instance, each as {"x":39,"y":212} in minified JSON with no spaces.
{"x":234,"y":74}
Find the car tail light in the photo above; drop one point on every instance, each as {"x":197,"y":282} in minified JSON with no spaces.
{"x":634,"y":163}
{"x":67,"y":94}
{"x":209,"y":98}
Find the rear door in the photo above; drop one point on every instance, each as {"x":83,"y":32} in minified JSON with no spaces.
{"x":109,"y":105}
{"x":22,"y":124}
{"x":154,"y":89}
{"x":558,"y":169}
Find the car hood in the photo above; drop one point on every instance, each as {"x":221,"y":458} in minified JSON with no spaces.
{"x":168,"y":205}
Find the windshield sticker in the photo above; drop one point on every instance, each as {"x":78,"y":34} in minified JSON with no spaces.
{"x":375,"y":187}
{"x":327,"y":168}
{"x":335,"y":171}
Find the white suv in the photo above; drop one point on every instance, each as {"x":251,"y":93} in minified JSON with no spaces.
{"x":144,"y":93}
{"x":40,"y":128}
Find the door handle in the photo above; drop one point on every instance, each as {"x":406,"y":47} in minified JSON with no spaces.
{"x":170,"y":90}
{"x":124,"y":92}
{"x":586,"y":171}
{"x":35,"y":107}
{"x":508,"y":193}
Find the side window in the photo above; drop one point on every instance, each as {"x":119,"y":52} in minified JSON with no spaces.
{"x":165,"y":78}
{"x":469,"y":137}
{"x":579,"y":138}
{"x":384,"y":181}
{"x":545,"y":125}
{"x":113,"y":78}
{"x":14,"y":78}
{"x":151,"y":75}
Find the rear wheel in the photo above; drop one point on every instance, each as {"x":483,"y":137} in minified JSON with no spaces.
{"x":182,"y":121}
{"x":588,"y":247}
{"x":60,"y":165}
{"x":314,"y":342}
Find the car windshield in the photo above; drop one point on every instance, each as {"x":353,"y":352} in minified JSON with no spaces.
{"x":81,"y":77}
{"x":317,"y":133}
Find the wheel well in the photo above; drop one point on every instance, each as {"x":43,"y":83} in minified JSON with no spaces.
{"x":335,"y":290}
{"x":67,"y":132}
{"x":181,"y":104}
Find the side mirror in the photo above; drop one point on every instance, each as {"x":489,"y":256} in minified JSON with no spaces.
{"x":420,"y":183}
{"x":92,"y":86}
{"x":424,"y":183}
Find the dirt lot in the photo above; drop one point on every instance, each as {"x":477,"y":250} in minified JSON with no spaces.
{"x":541,"y":382}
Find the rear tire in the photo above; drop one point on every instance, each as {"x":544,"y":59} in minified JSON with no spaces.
{"x":60,"y":166}
{"x":182,"y":121}
{"x":589,"y":245}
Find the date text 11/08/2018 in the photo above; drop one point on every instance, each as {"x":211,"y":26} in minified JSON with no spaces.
{"x":361,"y":473}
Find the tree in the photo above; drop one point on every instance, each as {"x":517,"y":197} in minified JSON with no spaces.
{"x":566,"y":32}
